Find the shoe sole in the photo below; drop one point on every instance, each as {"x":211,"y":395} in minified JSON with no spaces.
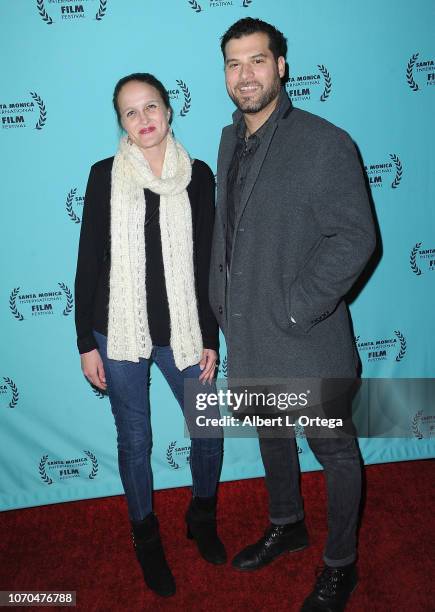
{"x":164,"y":595}
{"x":284,"y":552}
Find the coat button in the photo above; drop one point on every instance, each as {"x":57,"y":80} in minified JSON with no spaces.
{"x":221,"y":268}
{"x":220,"y":310}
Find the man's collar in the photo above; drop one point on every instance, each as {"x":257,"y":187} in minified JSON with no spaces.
{"x":283,"y":107}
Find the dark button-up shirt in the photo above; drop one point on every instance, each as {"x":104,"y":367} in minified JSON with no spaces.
{"x":241,"y":162}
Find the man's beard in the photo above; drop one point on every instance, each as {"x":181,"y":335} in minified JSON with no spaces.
{"x":250,"y":106}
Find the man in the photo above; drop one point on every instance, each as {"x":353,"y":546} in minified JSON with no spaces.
{"x":293,"y":231}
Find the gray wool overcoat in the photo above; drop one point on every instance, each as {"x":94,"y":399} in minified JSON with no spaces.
{"x":303,"y":234}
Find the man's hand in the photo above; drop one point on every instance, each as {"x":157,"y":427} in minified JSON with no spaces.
{"x":207,"y":365}
{"x":92,"y":367}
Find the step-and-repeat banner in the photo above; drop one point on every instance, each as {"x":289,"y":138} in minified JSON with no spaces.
{"x":368,"y":67}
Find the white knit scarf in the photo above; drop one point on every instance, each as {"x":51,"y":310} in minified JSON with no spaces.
{"x":128,"y":331}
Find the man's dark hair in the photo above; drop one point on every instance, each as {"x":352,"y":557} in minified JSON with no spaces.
{"x":248,"y":25}
{"x":142,"y":77}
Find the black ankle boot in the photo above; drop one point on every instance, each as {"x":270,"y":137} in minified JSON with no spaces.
{"x":149,"y":552}
{"x":278,"y":539}
{"x":201,"y":527}
{"x":334,"y":586}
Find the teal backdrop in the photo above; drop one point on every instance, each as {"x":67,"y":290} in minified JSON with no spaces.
{"x":366,"y":66}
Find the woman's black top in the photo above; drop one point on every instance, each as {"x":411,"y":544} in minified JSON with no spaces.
{"x":93,"y":264}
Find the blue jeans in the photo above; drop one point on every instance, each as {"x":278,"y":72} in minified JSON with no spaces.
{"x":127,"y":386}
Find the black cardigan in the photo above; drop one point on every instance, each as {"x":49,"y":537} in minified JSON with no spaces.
{"x":93,"y":264}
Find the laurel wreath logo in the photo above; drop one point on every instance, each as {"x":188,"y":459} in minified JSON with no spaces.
{"x":402,"y":351}
{"x":48,"y":20}
{"x":13,"y":306}
{"x":414,"y":425}
{"x":399,"y":171}
{"x":224,"y":367}
{"x":69,"y":299}
{"x":187,"y":98}
{"x":195,"y":6}
{"x":69,"y":209}
{"x":412,"y":261}
{"x":42,"y":111}
{"x":328,"y":83}
{"x":102,"y":10}
{"x":42,"y":471}
{"x":409,"y":70}
{"x":15,"y":394}
{"x":94,"y":462}
{"x":43,"y":13}
{"x":169,"y":456}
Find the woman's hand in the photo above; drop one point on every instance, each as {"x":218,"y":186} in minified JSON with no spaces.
{"x":207,"y":365}
{"x":92,"y":367}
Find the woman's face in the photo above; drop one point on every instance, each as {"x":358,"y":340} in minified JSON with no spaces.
{"x":144,"y":116}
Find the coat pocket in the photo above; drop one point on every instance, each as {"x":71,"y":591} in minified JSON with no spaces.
{"x":294,"y":327}
{"x":285,"y":313}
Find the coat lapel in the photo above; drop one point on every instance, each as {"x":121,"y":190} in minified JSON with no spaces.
{"x":284,"y":108}
{"x":226,"y":152}
{"x":254,"y":171}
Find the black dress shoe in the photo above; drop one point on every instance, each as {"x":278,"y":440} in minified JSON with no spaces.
{"x":334,"y":586}
{"x":277,"y":540}
{"x":202,"y":527}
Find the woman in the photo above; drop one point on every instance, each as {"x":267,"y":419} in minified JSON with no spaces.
{"x":142,"y":294}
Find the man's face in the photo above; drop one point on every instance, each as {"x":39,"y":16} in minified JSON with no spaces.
{"x":252,"y":75}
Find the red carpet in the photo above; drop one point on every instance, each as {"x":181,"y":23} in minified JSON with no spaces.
{"x":84,"y":546}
